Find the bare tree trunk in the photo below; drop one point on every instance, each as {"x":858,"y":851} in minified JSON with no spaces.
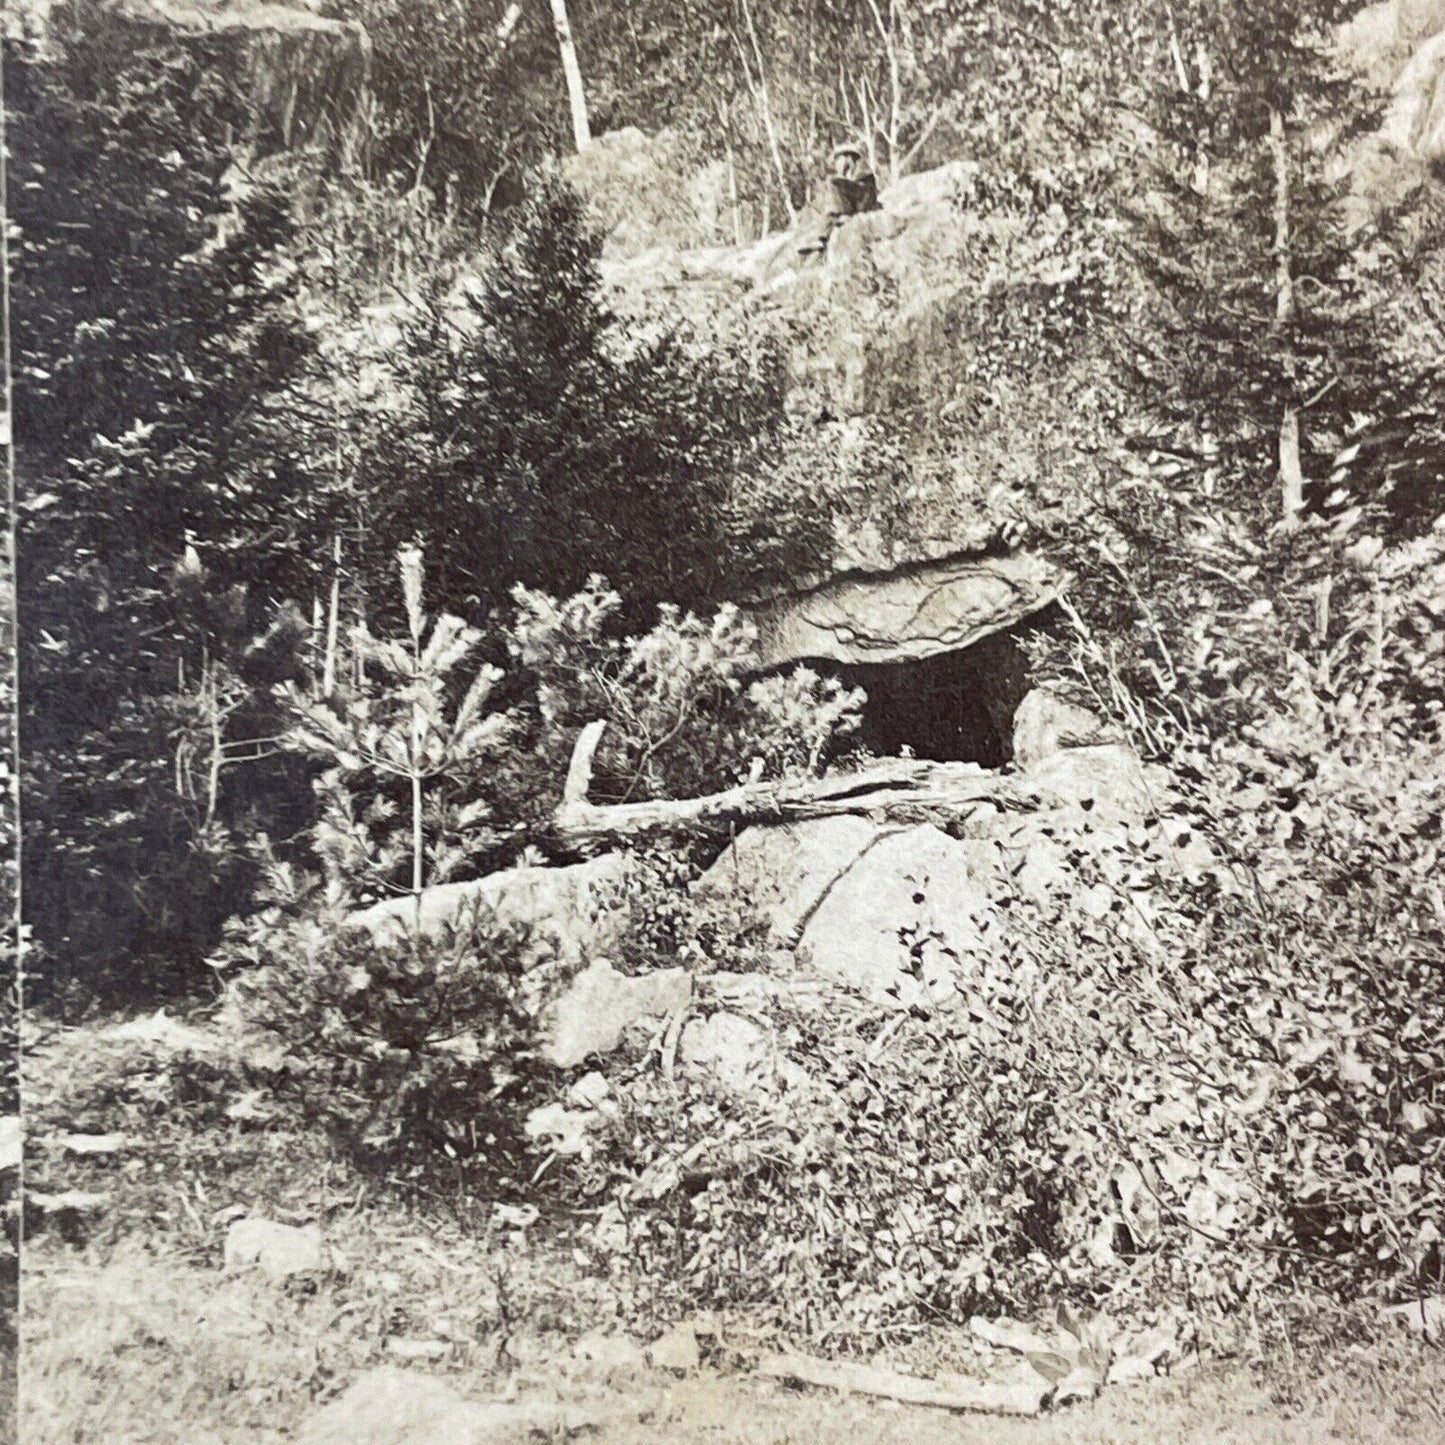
{"x":581,"y":128}
{"x":895,"y":85}
{"x":1284,"y":308}
{"x":761,"y":97}
{"x":1291,"y":477}
{"x":333,"y":622}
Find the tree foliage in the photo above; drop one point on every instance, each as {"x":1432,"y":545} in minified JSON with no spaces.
{"x":149,"y":339}
{"x":544,"y":440}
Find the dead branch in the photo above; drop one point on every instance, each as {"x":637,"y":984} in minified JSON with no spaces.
{"x":900,"y":786}
{"x":956,"y":1394}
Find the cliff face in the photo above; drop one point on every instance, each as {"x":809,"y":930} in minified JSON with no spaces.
{"x":302,"y":73}
{"x":1399,"y":46}
{"x":890,"y":357}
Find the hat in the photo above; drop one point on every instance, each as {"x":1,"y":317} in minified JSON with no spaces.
{"x":848,"y":148}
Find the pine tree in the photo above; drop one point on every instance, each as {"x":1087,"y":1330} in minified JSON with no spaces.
{"x":150,"y":341}
{"x":1263,"y":349}
{"x":403,"y":796}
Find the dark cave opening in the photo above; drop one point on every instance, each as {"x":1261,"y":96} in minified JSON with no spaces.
{"x":952,"y":707}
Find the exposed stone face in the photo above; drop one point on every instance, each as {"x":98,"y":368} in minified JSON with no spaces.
{"x":570,"y":912}
{"x":902,"y":922}
{"x":303,"y":72}
{"x":1045,"y":723}
{"x":889,"y":911}
{"x":600,"y":1004}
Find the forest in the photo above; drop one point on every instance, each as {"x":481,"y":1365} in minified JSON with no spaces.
{"x":631,"y":778}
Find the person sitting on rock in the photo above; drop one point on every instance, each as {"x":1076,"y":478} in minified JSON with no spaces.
{"x":852,"y":189}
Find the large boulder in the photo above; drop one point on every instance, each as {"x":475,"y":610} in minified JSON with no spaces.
{"x":876,"y":323}
{"x":784,"y":873}
{"x":890,"y":911}
{"x":902,"y":923}
{"x":572,"y":914}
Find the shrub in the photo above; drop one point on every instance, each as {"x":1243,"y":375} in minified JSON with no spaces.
{"x":408,"y":1047}
{"x":686,"y":712}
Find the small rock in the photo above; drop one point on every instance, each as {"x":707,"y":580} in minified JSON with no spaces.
{"x":166,"y":1033}
{"x":1008,"y":1334}
{"x":417,"y":1349}
{"x":79,"y":1201}
{"x":516,"y":1216}
{"x":676,"y":1350}
{"x":610,"y":1354}
{"x":249,"y":1108}
{"x":733,"y":1048}
{"x":279,"y":1250}
{"x":392,"y":1406}
{"x":94,"y":1144}
{"x":589,"y":1091}
{"x":563,"y":1130}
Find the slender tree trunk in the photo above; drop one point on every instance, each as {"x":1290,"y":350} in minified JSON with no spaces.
{"x":333,"y":622}
{"x":418,"y":763}
{"x":763,"y":100}
{"x":577,"y":98}
{"x":1291,"y":477}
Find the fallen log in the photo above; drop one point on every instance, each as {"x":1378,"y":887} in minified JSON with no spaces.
{"x":898,"y":787}
{"x":957,"y":1393}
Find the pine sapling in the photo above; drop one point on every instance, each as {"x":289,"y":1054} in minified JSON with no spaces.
{"x":414,"y":761}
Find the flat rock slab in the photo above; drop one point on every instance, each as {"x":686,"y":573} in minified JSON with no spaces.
{"x":276,"y":1249}
{"x":599,"y":1004}
{"x":569,"y":912}
{"x":391,"y":1406}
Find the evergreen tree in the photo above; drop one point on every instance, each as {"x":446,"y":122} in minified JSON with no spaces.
{"x":149,"y":340}
{"x":546,"y":441}
{"x":1265,"y":352}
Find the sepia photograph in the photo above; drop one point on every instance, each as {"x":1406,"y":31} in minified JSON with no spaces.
{"x":722,"y":722}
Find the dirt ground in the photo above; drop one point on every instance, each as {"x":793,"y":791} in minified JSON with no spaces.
{"x":134,"y":1334}
{"x":137,"y":1350}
